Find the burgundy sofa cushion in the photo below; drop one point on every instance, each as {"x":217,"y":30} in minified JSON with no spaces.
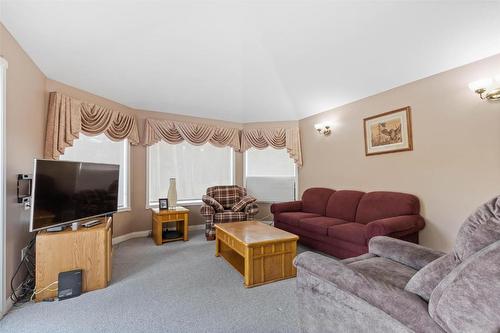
{"x":379,"y":205}
{"x":343,"y":204}
{"x":314,"y":200}
{"x":319,"y":224}
{"x":335,"y":247}
{"x":350,"y":232}
{"x":293,"y":218}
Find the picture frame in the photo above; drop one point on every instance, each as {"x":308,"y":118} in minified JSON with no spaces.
{"x":163,"y":204}
{"x":388,"y":132}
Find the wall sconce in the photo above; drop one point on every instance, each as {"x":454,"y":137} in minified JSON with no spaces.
{"x":324,"y":128}
{"x":488,"y":88}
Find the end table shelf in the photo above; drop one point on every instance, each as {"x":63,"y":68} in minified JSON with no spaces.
{"x":179,"y":216}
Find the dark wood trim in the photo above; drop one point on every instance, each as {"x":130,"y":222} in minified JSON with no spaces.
{"x":408,"y":126}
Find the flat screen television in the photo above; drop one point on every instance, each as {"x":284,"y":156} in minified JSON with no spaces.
{"x":65,"y":192}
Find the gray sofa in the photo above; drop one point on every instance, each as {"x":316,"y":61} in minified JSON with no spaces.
{"x":403,"y":287}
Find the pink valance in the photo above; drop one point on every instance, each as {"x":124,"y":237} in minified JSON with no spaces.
{"x":196,"y":134}
{"x":277,"y":138}
{"x":68,"y":116}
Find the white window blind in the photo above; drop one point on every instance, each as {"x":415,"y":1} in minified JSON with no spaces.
{"x":270,"y":175}
{"x":195,"y":168}
{"x":100,"y":149}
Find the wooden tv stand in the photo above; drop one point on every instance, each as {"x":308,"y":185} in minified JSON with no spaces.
{"x":88,"y":249}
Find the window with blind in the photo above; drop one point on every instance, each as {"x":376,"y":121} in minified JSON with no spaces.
{"x":270,"y":175}
{"x":195,"y":168}
{"x":101,"y":149}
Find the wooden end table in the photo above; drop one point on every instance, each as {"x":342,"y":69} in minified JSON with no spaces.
{"x":179,"y":216}
{"x":261,"y":253}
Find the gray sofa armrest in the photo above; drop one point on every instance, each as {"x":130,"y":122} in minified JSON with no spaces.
{"x":406,"y":253}
{"x":332,"y":270}
{"x":334,"y":297}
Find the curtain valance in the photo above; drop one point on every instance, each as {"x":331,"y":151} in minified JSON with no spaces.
{"x":68,"y":116}
{"x":277,"y":138}
{"x":196,"y":134}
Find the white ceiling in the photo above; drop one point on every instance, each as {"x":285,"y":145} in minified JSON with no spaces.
{"x":249,"y":61}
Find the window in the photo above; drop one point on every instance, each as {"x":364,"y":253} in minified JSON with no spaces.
{"x":270,"y":175}
{"x":101,"y":149}
{"x":194,"y":167}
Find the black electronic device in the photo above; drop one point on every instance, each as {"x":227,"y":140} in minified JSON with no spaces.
{"x":65,"y":192}
{"x":69,"y":284}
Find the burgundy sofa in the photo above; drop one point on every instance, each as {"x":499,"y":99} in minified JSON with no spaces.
{"x":341,"y":223}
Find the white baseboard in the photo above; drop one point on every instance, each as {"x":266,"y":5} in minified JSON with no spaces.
{"x":147,"y":233}
{"x":130,"y":235}
{"x":9,"y":303}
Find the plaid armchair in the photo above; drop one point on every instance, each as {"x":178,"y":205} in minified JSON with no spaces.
{"x":224,"y":204}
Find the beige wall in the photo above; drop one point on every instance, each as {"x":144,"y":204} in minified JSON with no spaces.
{"x":25,"y":123}
{"x":455,"y":165}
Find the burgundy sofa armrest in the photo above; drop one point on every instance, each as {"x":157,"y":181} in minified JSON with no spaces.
{"x":409,"y":254}
{"x":291,"y":206}
{"x":387,"y":226}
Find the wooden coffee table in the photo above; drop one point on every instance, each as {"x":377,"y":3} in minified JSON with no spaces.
{"x":260,"y":252}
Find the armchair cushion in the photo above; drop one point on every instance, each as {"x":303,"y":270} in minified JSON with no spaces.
{"x":240,"y":205}
{"x":291,"y":206}
{"x":413,"y":255}
{"x":227,"y":195}
{"x":387,"y":226}
{"x":251,"y":210}
{"x":212,"y":202}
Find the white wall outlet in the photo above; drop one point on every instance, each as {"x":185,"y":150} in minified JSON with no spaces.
{"x":23,"y":252}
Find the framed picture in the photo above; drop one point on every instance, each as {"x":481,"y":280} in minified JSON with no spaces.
{"x":163,"y":204}
{"x":388,"y":132}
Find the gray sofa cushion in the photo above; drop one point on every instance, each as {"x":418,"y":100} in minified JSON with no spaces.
{"x":480,"y":229}
{"x":482,"y":236}
{"x":384,"y":270}
{"x":468,"y":299}
{"x":426,"y":279}
{"x":488,"y":214}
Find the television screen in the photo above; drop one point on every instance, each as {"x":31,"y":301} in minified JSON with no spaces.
{"x":65,"y":192}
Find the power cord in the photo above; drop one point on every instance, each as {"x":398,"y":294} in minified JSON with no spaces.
{"x":24,"y":292}
{"x":36,"y":292}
